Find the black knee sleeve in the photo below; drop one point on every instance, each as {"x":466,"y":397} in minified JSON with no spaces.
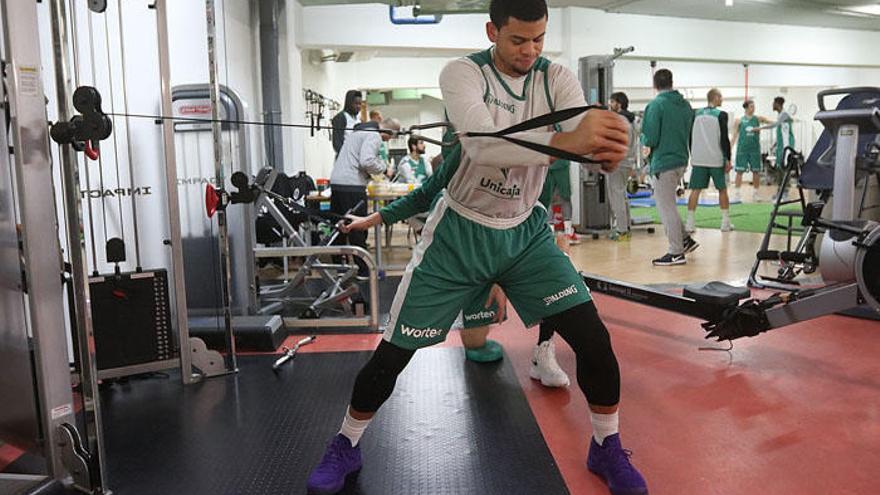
{"x":545,"y":332}
{"x":376,"y":380}
{"x":598,"y":374}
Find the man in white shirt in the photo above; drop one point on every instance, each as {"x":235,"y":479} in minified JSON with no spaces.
{"x":710,"y":157}
{"x":358,"y":160}
{"x":412,"y":168}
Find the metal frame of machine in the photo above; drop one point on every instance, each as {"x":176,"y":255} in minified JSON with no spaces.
{"x":340,"y":279}
{"x":71,"y":457}
{"x":46,"y":420}
{"x":244,"y":299}
{"x":596,"y":75}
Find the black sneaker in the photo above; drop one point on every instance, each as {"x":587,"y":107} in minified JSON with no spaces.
{"x":690,"y":245}
{"x":670,"y":259}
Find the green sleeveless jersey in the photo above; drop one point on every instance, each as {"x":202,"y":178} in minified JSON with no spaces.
{"x":748,"y":142}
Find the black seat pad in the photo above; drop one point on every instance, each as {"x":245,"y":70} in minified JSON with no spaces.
{"x":716,"y":293}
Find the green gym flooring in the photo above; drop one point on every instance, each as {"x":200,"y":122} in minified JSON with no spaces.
{"x":745,"y":217}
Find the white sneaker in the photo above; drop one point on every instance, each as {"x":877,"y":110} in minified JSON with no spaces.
{"x":545,"y":368}
{"x":726,"y":227}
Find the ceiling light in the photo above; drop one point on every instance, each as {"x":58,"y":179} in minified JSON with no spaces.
{"x":870,"y":9}
{"x":728,"y":3}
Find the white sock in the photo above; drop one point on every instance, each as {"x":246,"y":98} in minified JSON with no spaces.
{"x":354,"y":428}
{"x":725,"y":217}
{"x":604,"y":425}
{"x":691,"y":214}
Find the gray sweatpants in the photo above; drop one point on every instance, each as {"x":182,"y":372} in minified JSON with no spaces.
{"x":665,"y":185}
{"x":615,"y":187}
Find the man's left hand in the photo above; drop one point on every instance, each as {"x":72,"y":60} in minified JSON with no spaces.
{"x":497,"y":296}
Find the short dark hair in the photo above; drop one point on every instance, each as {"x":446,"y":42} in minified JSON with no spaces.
{"x":712,"y":94}
{"x":500,"y":11}
{"x":412,"y":142}
{"x":780,"y":100}
{"x":620,"y":97}
{"x":663,"y":79}
{"x":747,"y":103}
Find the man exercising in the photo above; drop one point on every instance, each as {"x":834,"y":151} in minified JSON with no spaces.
{"x":485,"y":229}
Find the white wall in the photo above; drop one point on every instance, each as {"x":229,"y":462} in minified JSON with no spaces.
{"x":237,"y":51}
{"x":668,"y":37}
{"x":368,"y":26}
{"x":701,"y":53}
{"x":291,"y":76}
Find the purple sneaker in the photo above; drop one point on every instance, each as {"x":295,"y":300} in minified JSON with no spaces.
{"x":340,"y":460}
{"x":611,"y":463}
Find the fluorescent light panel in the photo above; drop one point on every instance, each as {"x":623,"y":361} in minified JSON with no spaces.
{"x":870,"y":9}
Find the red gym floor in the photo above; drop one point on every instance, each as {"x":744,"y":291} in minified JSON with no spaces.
{"x":792,"y":411}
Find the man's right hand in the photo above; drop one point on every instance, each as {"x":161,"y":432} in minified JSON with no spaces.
{"x":602,"y":134}
{"x":360,"y":223}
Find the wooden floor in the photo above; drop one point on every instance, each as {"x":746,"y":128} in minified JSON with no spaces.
{"x":724,"y":256}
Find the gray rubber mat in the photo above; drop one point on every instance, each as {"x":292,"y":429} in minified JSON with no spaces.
{"x":451,"y":427}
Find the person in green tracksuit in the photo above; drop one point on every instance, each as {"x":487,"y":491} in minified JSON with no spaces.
{"x":748,"y":145}
{"x":557,"y":191}
{"x":666,"y":130}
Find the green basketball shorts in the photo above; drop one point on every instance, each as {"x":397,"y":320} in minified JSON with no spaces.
{"x":455,"y":264}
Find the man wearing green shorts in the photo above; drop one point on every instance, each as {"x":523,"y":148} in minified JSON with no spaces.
{"x":485,"y":229}
{"x":748,"y":145}
{"x":710,"y":157}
